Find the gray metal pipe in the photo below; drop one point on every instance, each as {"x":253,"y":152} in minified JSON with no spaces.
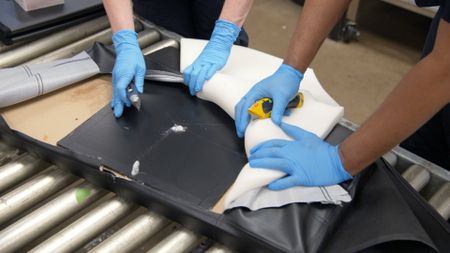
{"x":4,"y":48}
{"x":86,"y":43}
{"x":48,"y":216}
{"x":441,"y":201}
{"x":417,"y":176}
{"x":15,"y":171}
{"x":133,"y":234}
{"x":7,"y":153}
{"x":75,"y":48}
{"x":218,"y":248}
{"x":148,"y":37}
{"x":179,"y":241}
{"x":85,"y":228}
{"x":33,"y":191}
{"x":47,"y":44}
{"x":160,"y":45}
{"x":391,"y":158}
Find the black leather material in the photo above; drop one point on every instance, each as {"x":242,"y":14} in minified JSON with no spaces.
{"x":17,"y":24}
{"x":196,"y":165}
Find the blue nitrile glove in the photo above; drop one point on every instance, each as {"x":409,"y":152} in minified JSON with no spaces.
{"x":281,"y":87}
{"x":213,"y":57}
{"x":307,"y":160}
{"x":129,"y":66}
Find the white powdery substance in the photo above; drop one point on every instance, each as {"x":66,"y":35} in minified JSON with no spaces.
{"x":178,"y":129}
{"x":135,"y":168}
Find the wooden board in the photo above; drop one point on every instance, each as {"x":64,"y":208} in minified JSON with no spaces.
{"x":51,"y":117}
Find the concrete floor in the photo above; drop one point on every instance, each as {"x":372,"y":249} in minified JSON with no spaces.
{"x":359,"y":75}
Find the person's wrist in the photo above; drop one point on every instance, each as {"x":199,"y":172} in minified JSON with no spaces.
{"x":339,"y":163}
{"x":125,"y":37}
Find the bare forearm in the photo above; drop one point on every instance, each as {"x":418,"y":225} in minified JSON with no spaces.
{"x":419,"y":95}
{"x":316,"y":20}
{"x":236,"y":11}
{"x":120,"y":14}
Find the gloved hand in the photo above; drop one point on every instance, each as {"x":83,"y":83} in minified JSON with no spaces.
{"x":307,"y":160}
{"x":129,"y":66}
{"x":213,"y":57}
{"x":281,"y":87}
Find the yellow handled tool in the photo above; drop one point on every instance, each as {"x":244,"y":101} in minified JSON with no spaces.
{"x":262,"y":108}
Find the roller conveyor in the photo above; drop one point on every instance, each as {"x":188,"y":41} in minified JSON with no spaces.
{"x":179,"y":241}
{"x":18,"y":170}
{"x":65,"y":196}
{"x":33,"y":191}
{"x":52,"y":42}
{"x":132,"y":235}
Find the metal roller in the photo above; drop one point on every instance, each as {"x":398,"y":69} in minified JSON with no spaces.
{"x":85,"y":228}
{"x":9,"y":156}
{"x":48,"y":216}
{"x":217,"y":248}
{"x":391,"y":158}
{"x":7,"y":153}
{"x":4,"y":48}
{"x":56,"y":40}
{"x":133,"y":234}
{"x":15,"y":171}
{"x":179,"y":241}
{"x":33,"y":191}
{"x":441,"y":201}
{"x":160,"y":45}
{"x":417,"y":176}
{"x":75,"y":48}
{"x":148,"y":37}
{"x":70,"y":50}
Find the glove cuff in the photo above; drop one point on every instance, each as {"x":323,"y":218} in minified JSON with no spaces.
{"x":225,"y":33}
{"x":125,"y":37}
{"x":288,"y":68}
{"x":344,"y":175}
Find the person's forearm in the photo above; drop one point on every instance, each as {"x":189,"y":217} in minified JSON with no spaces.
{"x":316,"y":20}
{"x":236,"y":11}
{"x":120,"y":14}
{"x":419,"y":95}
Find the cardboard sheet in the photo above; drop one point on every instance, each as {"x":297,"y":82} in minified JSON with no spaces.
{"x":51,"y":117}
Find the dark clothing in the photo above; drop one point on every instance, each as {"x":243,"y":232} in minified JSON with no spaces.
{"x":189,"y":18}
{"x":432,"y":140}
{"x":443,"y":4}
